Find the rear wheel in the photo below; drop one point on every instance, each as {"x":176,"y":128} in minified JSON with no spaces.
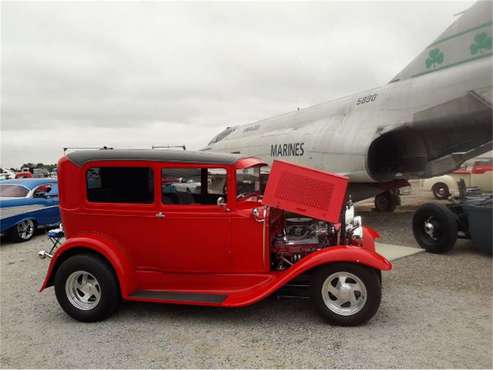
{"x":435,"y":228}
{"x":440,"y":190}
{"x":347,"y":294}
{"x":23,"y":231}
{"x":86,"y":288}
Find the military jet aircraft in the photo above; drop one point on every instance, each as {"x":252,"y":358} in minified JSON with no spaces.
{"x":430,"y":118}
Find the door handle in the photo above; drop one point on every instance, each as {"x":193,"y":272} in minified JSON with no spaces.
{"x":160,"y":215}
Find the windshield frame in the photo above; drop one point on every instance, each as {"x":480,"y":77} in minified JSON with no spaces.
{"x":256,"y":172}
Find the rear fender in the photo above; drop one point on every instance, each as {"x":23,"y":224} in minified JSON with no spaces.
{"x":8,"y":224}
{"x":124,"y":270}
{"x":446,"y":179}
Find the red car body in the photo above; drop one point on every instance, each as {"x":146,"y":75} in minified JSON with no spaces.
{"x":479,"y":167}
{"x":215,"y":255}
{"x":23,"y":175}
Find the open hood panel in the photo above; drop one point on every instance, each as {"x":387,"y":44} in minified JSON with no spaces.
{"x":305,"y":191}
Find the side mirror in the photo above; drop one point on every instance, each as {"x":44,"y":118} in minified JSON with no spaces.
{"x":349,"y":215}
{"x":40,"y":194}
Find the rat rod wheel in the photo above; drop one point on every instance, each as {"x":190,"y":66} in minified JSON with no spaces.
{"x":23,"y":231}
{"x":435,"y":228}
{"x":83,"y":290}
{"x":86,"y":288}
{"x":347,"y":294}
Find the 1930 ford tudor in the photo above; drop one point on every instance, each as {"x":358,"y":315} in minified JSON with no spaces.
{"x":197,"y":228}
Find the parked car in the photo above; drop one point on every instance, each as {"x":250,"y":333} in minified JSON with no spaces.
{"x":24,"y":174}
{"x":436,"y":227}
{"x":27,"y":204}
{"x":477,"y":174}
{"x":40,"y":172}
{"x":6,"y":174}
{"x":132,"y":235}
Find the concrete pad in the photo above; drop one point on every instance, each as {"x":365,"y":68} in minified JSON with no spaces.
{"x":393,"y":252}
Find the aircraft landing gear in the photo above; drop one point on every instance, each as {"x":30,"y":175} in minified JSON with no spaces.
{"x":387,"y":201}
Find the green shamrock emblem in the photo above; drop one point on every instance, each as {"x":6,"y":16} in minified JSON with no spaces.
{"x":435,"y":57}
{"x":481,"y":42}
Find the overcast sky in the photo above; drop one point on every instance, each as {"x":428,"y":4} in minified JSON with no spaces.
{"x":136,"y":74}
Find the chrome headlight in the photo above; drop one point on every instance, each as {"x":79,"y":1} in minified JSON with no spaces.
{"x":349,"y":215}
{"x":358,"y":233}
{"x":354,"y":228}
{"x":357,"y":228}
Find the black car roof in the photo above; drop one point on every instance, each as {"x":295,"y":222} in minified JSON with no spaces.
{"x":81,"y":157}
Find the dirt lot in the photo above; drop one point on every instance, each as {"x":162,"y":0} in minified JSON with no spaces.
{"x":436,"y":312}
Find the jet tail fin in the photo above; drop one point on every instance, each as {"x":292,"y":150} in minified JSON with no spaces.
{"x":467,"y":39}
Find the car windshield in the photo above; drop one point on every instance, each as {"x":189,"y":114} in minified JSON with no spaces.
{"x":14,"y":191}
{"x":249,"y":182}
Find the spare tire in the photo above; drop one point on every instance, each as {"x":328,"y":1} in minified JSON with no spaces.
{"x":435,"y":228}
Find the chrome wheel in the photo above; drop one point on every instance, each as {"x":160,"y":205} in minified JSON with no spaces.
{"x":25,"y":229}
{"x":442,"y":192}
{"x":431,"y":228}
{"x":344,"y":293}
{"x":83,"y":290}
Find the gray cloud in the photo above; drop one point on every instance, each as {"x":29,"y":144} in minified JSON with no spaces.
{"x":143,"y":73}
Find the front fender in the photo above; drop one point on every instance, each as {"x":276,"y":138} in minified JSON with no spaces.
{"x":124,"y":270}
{"x":363,"y":255}
{"x":343,"y":253}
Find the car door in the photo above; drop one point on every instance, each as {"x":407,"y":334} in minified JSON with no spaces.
{"x":46,"y":195}
{"x":120,"y":205}
{"x":195,"y":232}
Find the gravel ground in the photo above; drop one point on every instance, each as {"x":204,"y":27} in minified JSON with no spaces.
{"x":436,"y":312}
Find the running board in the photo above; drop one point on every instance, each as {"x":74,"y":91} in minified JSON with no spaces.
{"x":179,"y":296}
{"x":300,"y":290}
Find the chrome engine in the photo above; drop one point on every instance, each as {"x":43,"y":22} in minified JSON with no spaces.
{"x":299,"y":237}
{"x":295,"y":237}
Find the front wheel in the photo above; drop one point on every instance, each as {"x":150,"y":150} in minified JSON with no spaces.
{"x":23,"y":231}
{"x":347,"y":294}
{"x":86,"y":288}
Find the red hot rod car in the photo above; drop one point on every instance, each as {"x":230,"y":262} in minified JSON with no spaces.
{"x":197,"y":228}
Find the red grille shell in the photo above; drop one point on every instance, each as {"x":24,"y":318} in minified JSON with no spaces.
{"x":305,"y":191}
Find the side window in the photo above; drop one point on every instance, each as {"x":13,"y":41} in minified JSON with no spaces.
{"x":54,"y":190}
{"x":120,"y":185}
{"x":193,"y":185}
{"x":46,"y":191}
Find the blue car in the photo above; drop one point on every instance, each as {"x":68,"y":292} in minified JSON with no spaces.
{"x":27,"y":204}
